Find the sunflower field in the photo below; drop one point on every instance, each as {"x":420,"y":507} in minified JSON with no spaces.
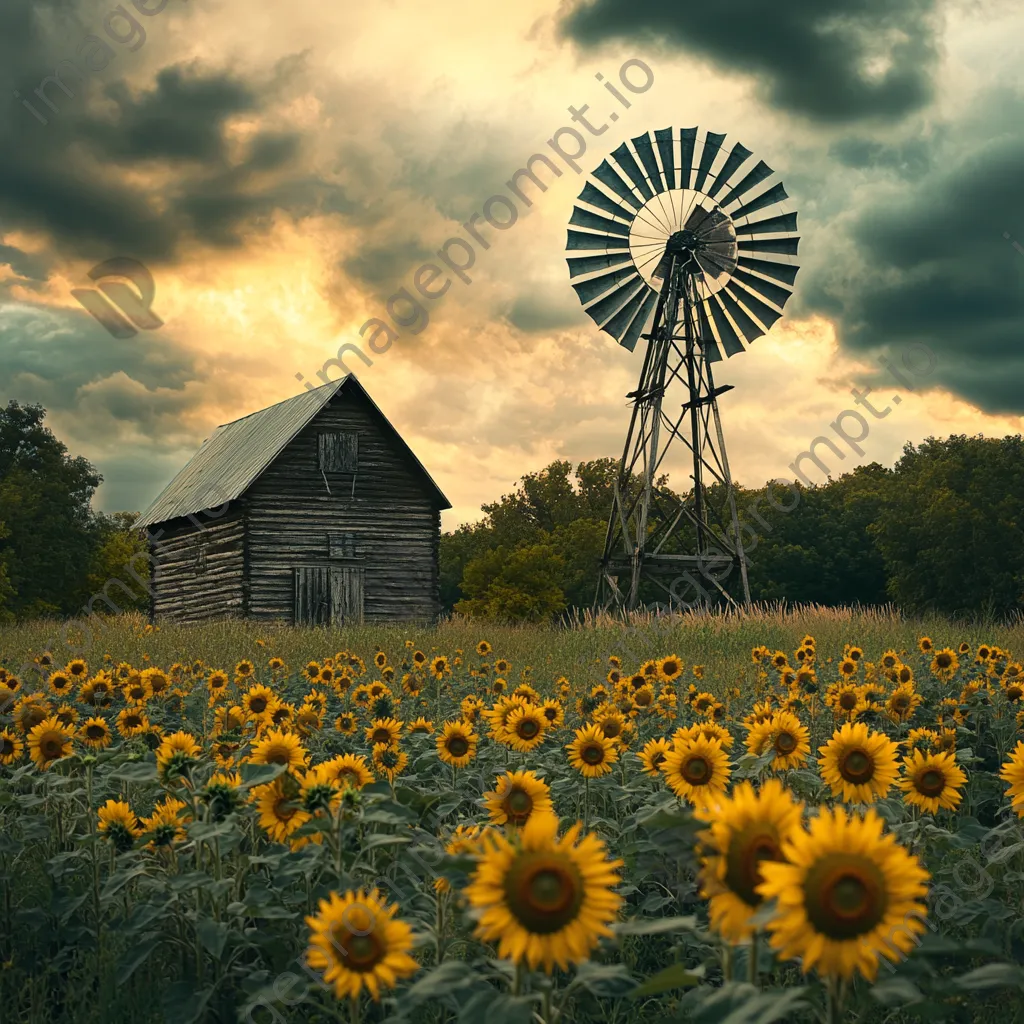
{"x":782,"y":818}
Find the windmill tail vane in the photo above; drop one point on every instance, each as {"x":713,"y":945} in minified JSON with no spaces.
{"x":690,"y":247}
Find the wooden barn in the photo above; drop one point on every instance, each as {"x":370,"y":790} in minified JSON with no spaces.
{"x":313,"y":511}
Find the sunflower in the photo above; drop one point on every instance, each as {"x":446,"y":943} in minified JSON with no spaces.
{"x":357,"y":942}
{"x":11,"y":746}
{"x":904,"y":674}
{"x":66,"y":715}
{"x":439,"y":666}
{"x":176,"y":754}
{"x":1012,"y":685}
{"x":612,"y":723}
{"x":483,"y":648}
{"x":903,"y":702}
{"x":544,"y":900}
{"x":60,"y":682}
{"x":456,"y":744}
{"x":348,"y":770}
{"x":258,"y":700}
{"x":420,"y":725}
{"x":1012,"y":773}
{"x":390,"y":760}
{"x":847,"y":668}
{"x":279,"y":747}
{"x":30,"y":710}
{"x":345,"y":723}
{"x":223,"y":794}
{"x":516,"y":798}
{"x":859,"y":765}
{"x":277,"y":805}
{"x":670,"y":668}
{"x":48,"y":741}
{"x":77,"y":668}
{"x":652,"y":754}
{"x":846,"y":700}
{"x":244,"y":669}
{"x":380,"y":659}
{"x":166,"y":824}
{"x":97,"y":691}
{"x":308,"y":719}
{"x":746,"y":829}
{"x":591,"y":753}
{"x":847,"y":894}
{"x":383,"y":730}
{"x":217,"y":683}
{"x":95,"y":733}
{"x":156,"y":680}
{"x":502,"y":666}
{"x":697,"y":769}
{"x":786,"y":735}
{"x":276,"y":664}
{"x":525,"y":728}
{"x":553,"y":712}
{"x":118,"y":823}
{"x":931,"y":781}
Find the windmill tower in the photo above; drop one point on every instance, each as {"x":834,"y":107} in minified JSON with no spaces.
{"x":691,"y":249}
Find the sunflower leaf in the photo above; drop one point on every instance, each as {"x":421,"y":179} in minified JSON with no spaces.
{"x":658,"y":926}
{"x":672,"y":977}
{"x":992,"y":976}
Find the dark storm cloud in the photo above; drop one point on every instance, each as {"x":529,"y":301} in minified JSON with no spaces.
{"x":813,"y":56}
{"x":538,"y":312}
{"x":927,"y":263}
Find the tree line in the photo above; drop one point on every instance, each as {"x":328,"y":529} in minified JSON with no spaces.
{"x":941,"y":531}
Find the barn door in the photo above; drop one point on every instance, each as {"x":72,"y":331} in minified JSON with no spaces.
{"x":312,"y":596}
{"x":347,"y":595}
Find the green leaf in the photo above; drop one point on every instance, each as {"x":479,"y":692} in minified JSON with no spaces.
{"x":260,"y":774}
{"x":370,"y":842}
{"x":143,"y":771}
{"x":497,"y":1008}
{"x":137,"y":955}
{"x":213,"y":935}
{"x":449,"y":976}
{"x":657,"y":926}
{"x":672,"y":977}
{"x":606,"y":981}
{"x":896,"y":992}
{"x":183,"y":1004}
{"x":992,"y":976}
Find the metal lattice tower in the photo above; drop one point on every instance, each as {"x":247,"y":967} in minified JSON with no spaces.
{"x":681,"y":269}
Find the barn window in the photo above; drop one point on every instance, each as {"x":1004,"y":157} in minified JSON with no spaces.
{"x":341,"y":545}
{"x":200,"y":547}
{"x":339,"y":452}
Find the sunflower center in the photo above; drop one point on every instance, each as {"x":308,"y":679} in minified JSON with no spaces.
{"x":1014,"y":692}
{"x":611,"y":728}
{"x":358,"y":952}
{"x":592,"y":754}
{"x":132,"y":721}
{"x":931,"y":782}
{"x":696,"y":771}
{"x":900,"y":702}
{"x":844,"y":896}
{"x":458,"y":746}
{"x":6,"y":746}
{"x":657,"y":758}
{"x":528,"y":728}
{"x":848,"y":701}
{"x":51,"y":747}
{"x":785,"y":743}
{"x":857,"y":766}
{"x":95,"y":732}
{"x":518,"y":805}
{"x":381,"y":736}
{"x":544,"y":892}
{"x":258,"y":705}
{"x":747,"y":848}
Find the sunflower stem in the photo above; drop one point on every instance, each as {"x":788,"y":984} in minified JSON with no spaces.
{"x":834,"y":1001}
{"x":586,"y":802}
{"x":752,"y":963}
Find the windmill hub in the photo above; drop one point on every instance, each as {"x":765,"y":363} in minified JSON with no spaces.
{"x":682,"y":256}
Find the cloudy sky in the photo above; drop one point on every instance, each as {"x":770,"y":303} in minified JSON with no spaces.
{"x":283,"y":169}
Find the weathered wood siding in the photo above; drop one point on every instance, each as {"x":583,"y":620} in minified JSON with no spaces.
{"x":197,"y":570}
{"x":382,"y":518}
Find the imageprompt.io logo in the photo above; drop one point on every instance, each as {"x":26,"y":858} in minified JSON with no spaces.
{"x":122,"y":310}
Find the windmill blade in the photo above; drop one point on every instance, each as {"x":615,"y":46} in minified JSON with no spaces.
{"x":580,"y":265}
{"x":625,"y":159}
{"x":760,"y":309}
{"x":785,"y":272}
{"x":751,"y":330}
{"x":645,"y":150}
{"x":620,"y":323}
{"x":698,"y":216}
{"x":772,"y":292}
{"x":585,"y":240}
{"x":717,"y":228}
{"x":736,"y":157}
{"x":636,"y":327}
{"x":776,"y":194}
{"x":727,"y":335}
{"x":720,"y":260}
{"x":604,"y":309}
{"x":758,"y":173}
{"x":595,"y":197}
{"x":712,"y":144}
{"x":707,"y":337}
{"x":787,"y":222}
{"x":607,"y":175}
{"x":585,"y":219}
{"x":666,"y":150}
{"x":597,"y":286}
{"x":687,"y":142}
{"x":784,"y":246}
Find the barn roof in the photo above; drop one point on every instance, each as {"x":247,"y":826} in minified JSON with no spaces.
{"x":235,"y":454}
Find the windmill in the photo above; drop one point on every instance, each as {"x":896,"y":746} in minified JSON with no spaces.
{"x":690,"y":248}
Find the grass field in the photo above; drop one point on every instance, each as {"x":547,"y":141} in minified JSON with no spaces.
{"x":247,"y":822}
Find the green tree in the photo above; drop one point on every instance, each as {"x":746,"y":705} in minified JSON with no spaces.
{"x":116,"y":559}
{"x":522,"y":584}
